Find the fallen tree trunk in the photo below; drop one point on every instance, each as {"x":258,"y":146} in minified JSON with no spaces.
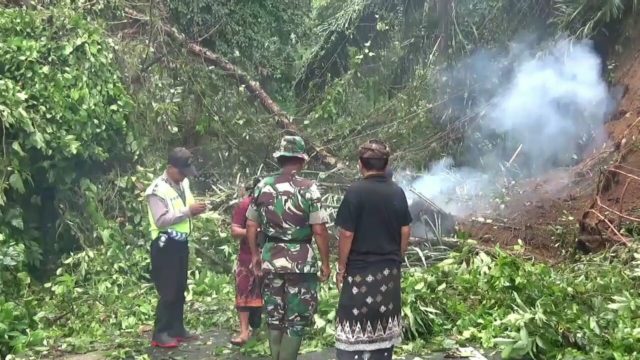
{"x":253,"y":87}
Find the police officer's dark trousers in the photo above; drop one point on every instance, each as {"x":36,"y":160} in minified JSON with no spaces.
{"x":169,"y":264}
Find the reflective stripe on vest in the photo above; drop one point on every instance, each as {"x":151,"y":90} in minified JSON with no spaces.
{"x":161,"y":188}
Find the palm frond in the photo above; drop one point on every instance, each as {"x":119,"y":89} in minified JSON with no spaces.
{"x":584,"y":17}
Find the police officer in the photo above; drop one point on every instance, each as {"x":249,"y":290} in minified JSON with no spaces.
{"x":171,"y":209}
{"x":288,"y":209}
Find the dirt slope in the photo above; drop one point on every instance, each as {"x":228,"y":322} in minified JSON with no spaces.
{"x":585,"y":206}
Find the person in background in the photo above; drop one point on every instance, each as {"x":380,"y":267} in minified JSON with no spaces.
{"x":248,"y":285}
{"x":171,"y":208}
{"x":374,"y":222}
{"x":288,"y":209}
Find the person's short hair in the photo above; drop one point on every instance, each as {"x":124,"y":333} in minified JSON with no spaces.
{"x":374,"y":164}
{"x":289,"y":160}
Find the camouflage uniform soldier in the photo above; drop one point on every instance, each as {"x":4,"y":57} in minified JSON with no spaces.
{"x":288,"y":209}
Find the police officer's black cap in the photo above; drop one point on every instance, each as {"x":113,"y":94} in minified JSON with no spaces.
{"x":180,"y":158}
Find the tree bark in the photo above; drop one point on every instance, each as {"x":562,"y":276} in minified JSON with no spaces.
{"x":253,"y":87}
{"x":443,"y":8}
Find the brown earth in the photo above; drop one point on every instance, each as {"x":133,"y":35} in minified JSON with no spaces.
{"x":583,"y":207}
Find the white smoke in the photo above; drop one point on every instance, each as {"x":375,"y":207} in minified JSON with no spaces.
{"x":551,"y":106}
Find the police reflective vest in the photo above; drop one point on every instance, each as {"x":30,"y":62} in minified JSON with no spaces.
{"x":161,"y":187}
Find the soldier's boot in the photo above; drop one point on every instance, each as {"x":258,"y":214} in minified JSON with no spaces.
{"x":290,"y":347}
{"x":275,"y":340}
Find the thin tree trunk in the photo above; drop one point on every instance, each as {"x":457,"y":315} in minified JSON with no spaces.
{"x":253,"y":87}
{"x":443,"y":8}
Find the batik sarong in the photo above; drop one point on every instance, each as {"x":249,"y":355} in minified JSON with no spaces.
{"x":369,"y":312}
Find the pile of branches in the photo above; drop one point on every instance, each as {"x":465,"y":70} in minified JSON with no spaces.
{"x":601,"y":219}
{"x":605,"y":218}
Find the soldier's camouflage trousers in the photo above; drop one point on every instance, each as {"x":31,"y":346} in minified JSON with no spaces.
{"x":290,"y":300}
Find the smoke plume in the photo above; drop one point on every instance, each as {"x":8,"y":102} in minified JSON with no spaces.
{"x":531,"y":111}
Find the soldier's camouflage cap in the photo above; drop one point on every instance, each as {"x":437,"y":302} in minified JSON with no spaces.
{"x":374,"y":149}
{"x":292,"y":146}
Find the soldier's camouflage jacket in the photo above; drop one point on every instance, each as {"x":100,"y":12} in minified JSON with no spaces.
{"x":286,"y":206}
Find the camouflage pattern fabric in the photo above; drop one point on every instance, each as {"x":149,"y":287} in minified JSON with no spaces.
{"x":291,"y":301}
{"x":292,"y":146}
{"x":285,"y":206}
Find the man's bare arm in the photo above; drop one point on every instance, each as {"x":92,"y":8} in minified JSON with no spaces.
{"x":344,"y":248}
{"x":321,"y":235}
{"x":405,"y":233}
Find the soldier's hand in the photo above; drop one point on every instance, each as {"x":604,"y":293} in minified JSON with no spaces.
{"x":197,"y":209}
{"x":325,"y":272}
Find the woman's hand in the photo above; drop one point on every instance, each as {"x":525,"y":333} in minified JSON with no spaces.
{"x":256,"y":264}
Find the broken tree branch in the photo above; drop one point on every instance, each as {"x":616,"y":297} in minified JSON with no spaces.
{"x":619,"y":213}
{"x":621,"y":238}
{"x":425,"y":199}
{"x":624,"y":191}
{"x":514,"y":155}
{"x":252,"y":87}
{"x":624,"y":173}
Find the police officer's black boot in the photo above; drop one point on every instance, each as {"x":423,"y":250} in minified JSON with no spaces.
{"x":163,"y":340}
{"x":179,"y":331}
{"x":162,"y":323}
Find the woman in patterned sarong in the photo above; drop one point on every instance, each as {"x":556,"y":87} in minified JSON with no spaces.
{"x":248,"y":297}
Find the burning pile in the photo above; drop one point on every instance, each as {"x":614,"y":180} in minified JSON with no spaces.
{"x":542,"y":109}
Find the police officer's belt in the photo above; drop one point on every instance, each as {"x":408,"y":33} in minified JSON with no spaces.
{"x":273,"y":239}
{"x":174,"y":235}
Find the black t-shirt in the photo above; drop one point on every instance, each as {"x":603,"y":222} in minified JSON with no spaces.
{"x":374,"y":209}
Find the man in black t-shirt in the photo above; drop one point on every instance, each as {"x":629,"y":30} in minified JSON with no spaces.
{"x":374,"y":222}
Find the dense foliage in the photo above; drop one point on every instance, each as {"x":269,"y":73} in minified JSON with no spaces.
{"x":501,"y":301}
{"x":91,"y":100}
{"x":64,"y":113}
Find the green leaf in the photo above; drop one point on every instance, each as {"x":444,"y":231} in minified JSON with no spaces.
{"x":17,"y":222}
{"x":15,"y":180}
{"x":540,"y":342}
{"x":616,"y":306}
{"x":506,"y":352}
{"x":16,"y":146}
{"x":524,"y":335}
